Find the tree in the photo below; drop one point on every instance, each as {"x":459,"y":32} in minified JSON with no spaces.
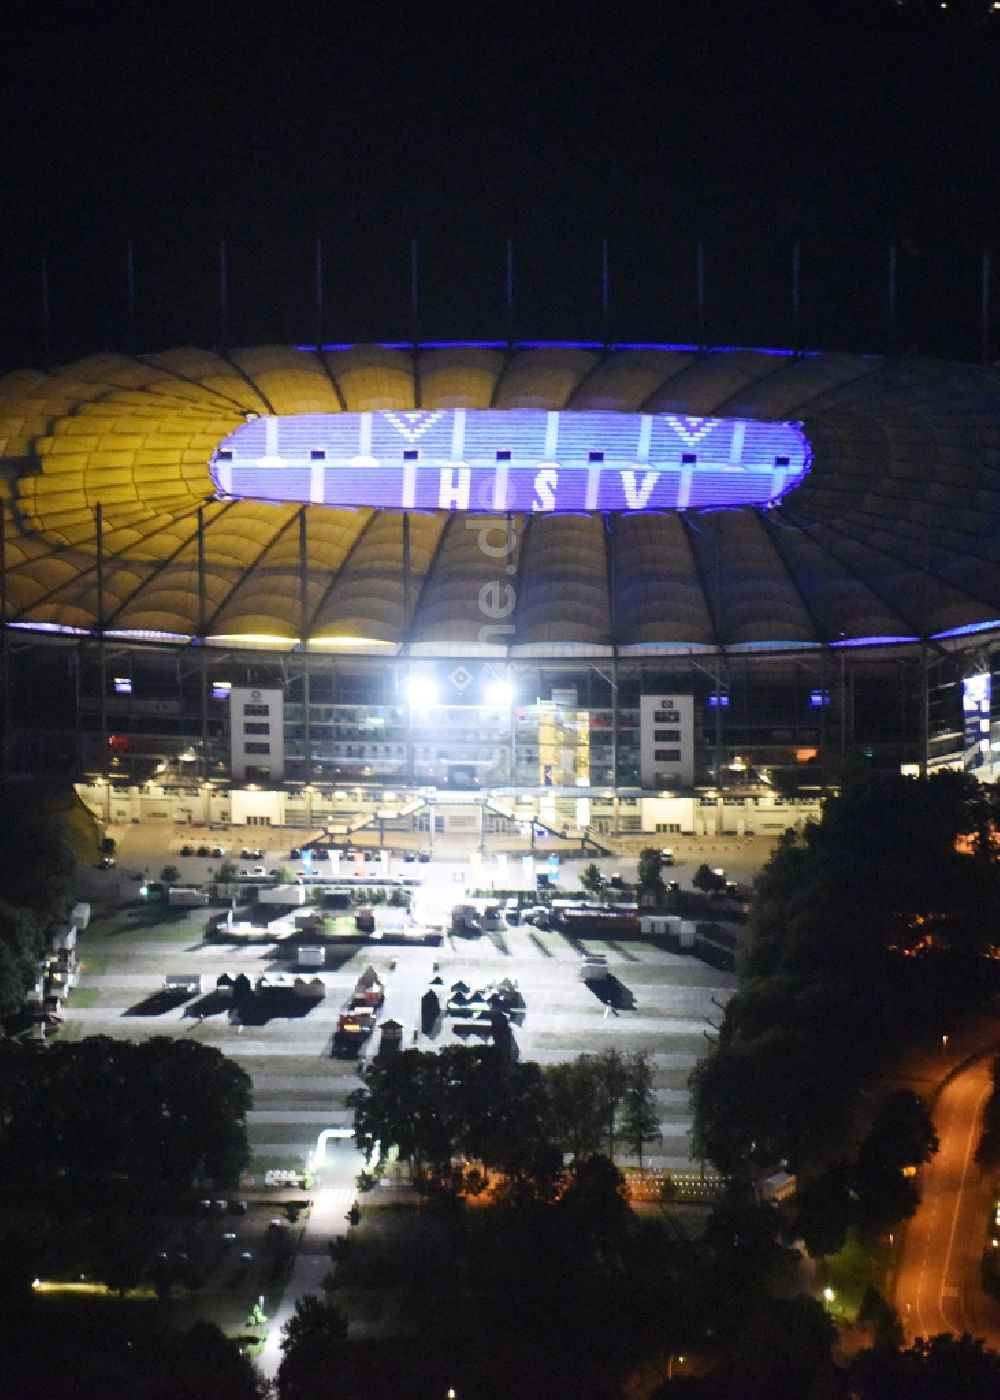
{"x":612,"y":1075}
{"x":37,"y":869}
{"x":706,"y":880}
{"x":783,"y":1352}
{"x":931,"y":1369}
{"x":902,"y":1135}
{"x":640,"y":1116}
{"x":865,"y":927}
{"x":102,"y":1110}
{"x":595,"y":1193}
{"x":20,"y":948}
{"x":170,"y":874}
{"x":650,"y":879}
{"x":882,"y":1318}
{"x":741,"y":1237}
{"x":575,"y":1107}
{"x":401,"y":1102}
{"x":312,"y":1346}
{"x":591,"y":878}
{"x":882,"y":1198}
{"x":227,"y":873}
{"x":823,"y":1211}
{"x":281,"y":875}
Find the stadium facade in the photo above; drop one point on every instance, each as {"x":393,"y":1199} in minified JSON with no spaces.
{"x":631,"y":587}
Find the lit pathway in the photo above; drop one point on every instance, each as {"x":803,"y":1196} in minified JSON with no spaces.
{"x":334,"y":1195}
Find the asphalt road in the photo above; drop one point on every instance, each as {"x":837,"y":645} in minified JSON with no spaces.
{"x":937,"y":1282}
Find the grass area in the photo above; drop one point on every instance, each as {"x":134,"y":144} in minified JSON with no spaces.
{"x":85,"y":996}
{"x":304,"y":1133}
{"x":100,"y":928}
{"x":852,"y":1270}
{"x":71,"y":1030}
{"x":158,"y":932}
{"x":94,"y":962}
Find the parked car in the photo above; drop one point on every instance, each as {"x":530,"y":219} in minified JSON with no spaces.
{"x":187,"y":850}
{"x":203,"y":851}
{"x":218,"y":852}
{"x":424,"y":857}
{"x":295,"y":853}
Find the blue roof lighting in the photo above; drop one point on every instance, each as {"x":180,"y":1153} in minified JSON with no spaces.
{"x":872,"y":641}
{"x":967,"y":630}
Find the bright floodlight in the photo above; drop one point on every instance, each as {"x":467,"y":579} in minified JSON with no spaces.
{"x":499,"y":692}
{"x":422,"y":692}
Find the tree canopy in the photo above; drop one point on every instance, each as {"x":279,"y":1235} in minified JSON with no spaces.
{"x":475,"y":1102}
{"x":868,"y":927}
{"x":155,"y":1113}
{"x":36,"y":881}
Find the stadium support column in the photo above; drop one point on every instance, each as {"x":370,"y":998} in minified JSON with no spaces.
{"x":102,"y":649}
{"x":304,"y":634}
{"x":202,"y":627}
{"x":824,"y":691}
{"x":614,"y":742}
{"x":843,"y":714}
{"x":925,"y":707}
{"x":403,"y":635}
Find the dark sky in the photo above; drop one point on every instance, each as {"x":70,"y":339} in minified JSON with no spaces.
{"x":748,"y":125}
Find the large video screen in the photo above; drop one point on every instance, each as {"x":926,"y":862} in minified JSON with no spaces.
{"x":497,"y":460}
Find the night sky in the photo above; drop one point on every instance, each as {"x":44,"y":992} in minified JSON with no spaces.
{"x":845,"y":127}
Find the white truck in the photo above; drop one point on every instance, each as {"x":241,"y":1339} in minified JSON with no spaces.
{"x":187,"y":897}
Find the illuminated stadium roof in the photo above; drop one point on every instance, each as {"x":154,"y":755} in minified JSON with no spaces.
{"x":892,"y":535}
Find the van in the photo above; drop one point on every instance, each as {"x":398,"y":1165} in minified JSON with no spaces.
{"x":512,"y":911}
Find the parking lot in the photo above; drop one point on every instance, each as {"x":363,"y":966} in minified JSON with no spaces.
{"x":654,"y":1000}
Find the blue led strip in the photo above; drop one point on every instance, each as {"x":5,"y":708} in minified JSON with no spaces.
{"x":519,"y":460}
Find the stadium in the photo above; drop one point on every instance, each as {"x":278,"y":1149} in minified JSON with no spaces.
{"x":615,"y":588}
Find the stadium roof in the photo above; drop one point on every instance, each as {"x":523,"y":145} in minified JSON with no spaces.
{"x":893,"y":536}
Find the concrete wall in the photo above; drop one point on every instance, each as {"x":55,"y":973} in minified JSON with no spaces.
{"x":256,"y":721}
{"x":671,"y":717}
